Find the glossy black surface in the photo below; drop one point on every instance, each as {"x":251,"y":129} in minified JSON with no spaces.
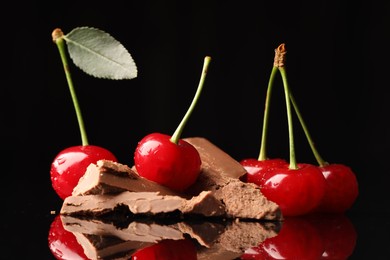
{"x":337,"y":68}
{"x":25,"y":232}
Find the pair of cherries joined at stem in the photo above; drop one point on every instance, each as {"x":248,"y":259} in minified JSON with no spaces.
{"x":299,"y":188}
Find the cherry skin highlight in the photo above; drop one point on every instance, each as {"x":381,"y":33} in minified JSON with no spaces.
{"x":256,"y":168}
{"x":296,"y":191}
{"x":176,"y":166}
{"x":341,"y":189}
{"x":70,"y":165}
{"x":63,"y":244}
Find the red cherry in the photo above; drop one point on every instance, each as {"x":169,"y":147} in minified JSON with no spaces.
{"x":296,"y":191}
{"x":341,"y":189}
{"x":70,"y":165}
{"x":169,"y":250}
{"x":341,"y":183}
{"x":158,"y":159}
{"x":297,"y":239}
{"x":62,"y":243}
{"x":256,"y":168}
{"x":338,"y":234}
{"x":169,"y":160}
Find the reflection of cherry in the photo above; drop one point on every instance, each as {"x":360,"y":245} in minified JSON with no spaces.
{"x":62,"y":243}
{"x":168,"y":250}
{"x":338,"y":234}
{"x":297,"y":239}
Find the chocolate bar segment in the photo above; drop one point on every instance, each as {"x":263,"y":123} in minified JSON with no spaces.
{"x":148,"y":203}
{"x":218,"y":190}
{"x":220,"y":174}
{"x":217,"y":164}
{"x":245,"y":200}
{"x":107,"y":177}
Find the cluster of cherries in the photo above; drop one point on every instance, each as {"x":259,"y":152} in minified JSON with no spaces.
{"x":298,"y":188}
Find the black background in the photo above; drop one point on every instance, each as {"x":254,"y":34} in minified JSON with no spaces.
{"x":337,"y":66}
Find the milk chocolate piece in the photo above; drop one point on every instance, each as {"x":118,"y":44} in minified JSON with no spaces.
{"x":218,"y":167}
{"x":149,"y":203}
{"x":107,"y":177}
{"x":245,"y":200}
{"x":220,"y":174}
{"x":227,"y":195}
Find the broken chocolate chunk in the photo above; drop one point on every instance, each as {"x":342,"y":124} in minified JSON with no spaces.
{"x":218,"y":191}
{"x":107,"y":177}
{"x":220,"y":174}
{"x":216,"y":160}
{"x":148,"y":203}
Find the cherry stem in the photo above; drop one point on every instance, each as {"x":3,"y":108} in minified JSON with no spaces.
{"x":280,"y":57}
{"x":321,"y":162}
{"x":58,"y":39}
{"x":293,"y":162}
{"x":176,"y":135}
{"x":263,"y":146}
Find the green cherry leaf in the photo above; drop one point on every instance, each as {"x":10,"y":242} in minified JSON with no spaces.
{"x":100,"y":55}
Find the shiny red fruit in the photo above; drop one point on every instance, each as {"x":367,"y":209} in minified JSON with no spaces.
{"x":296,"y":191}
{"x":341,"y":189}
{"x":297,"y":239}
{"x":168,"y":250}
{"x":63,"y":244}
{"x":256,"y":168}
{"x":71,"y":163}
{"x":176,"y":166}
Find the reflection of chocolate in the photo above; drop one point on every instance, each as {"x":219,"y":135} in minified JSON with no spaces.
{"x":216,"y":240}
{"x":236,"y":238}
{"x":217,"y":192}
